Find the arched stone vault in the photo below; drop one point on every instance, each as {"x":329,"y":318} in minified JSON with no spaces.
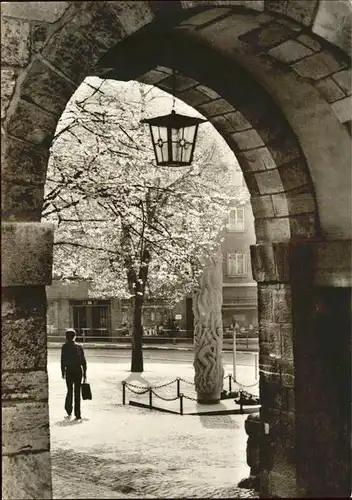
{"x":274,"y":79}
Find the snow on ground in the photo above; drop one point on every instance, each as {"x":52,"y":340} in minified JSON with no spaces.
{"x":121,"y":451}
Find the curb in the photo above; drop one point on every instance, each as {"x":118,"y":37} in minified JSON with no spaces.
{"x":145,"y":347}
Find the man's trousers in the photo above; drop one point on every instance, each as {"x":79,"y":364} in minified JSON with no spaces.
{"x":73,"y":382}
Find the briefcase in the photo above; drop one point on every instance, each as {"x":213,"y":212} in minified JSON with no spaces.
{"x":86,"y":392}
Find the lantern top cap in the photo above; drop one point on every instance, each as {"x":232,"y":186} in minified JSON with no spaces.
{"x":173,"y":120}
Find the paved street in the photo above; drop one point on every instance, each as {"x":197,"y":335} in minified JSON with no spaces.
{"x":162,"y":355}
{"x":121,"y":451}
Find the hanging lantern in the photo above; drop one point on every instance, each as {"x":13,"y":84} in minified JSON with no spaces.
{"x":174,"y":137}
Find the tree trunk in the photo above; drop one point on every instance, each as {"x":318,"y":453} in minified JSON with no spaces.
{"x":208,"y":333}
{"x":137,"y":335}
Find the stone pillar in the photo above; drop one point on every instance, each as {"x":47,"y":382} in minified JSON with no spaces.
{"x":26,"y":269}
{"x":208,"y":333}
{"x":305,"y":367}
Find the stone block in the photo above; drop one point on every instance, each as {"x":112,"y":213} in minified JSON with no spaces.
{"x":26,"y":253}
{"x":35,"y":11}
{"x":267,"y":36}
{"x":32,"y":385}
{"x":281,"y":257}
{"x":15,"y":42}
{"x":317,"y":66}
{"x":153,"y":77}
{"x":262,"y":207}
{"x":251,"y":183}
{"x":250,"y":4}
{"x":300,"y":200}
{"x":274,"y":230}
{"x":208,"y":92}
{"x":270,"y":334}
{"x":290,"y":51}
{"x":81,"y":42}
{"x":39,"y":34}
{"x":24,"y":163}
{"x":25,"y":427}
{"x":193,"y":97}
{"x":32,"y":124}
{"x":181,"y":83}
{"x":278,"y":6}
{"x":329,"y":89}
{"x":23,"y":343}
{"x":237,"y":121}
{"x":215,"y":107}
{"x":46,"y":88}
{"x":21,"y":201}
{"x":303,"y":12}
{"x":269,"y":181}
{"x":248,"y":139}
{"x":132,"y":15}
{"x":284,"y":149}
{"x":310,"y":42}
{"x":204,"y":17}
{"x":8,"y":81}
{"x":343,"y":109}
{"x":27,"y":476}
{"x":286,"y":340}
{"x":303,"y":226}
{"x":222,"y":125}
{"x":333,"y":22}
{"x":280,"y":205}
{"x":257,"y":159}
{"x":344,"y":80}
{"x":282,"y":305}
{"x":263,"y":263}
{"x":265,"y":303}
{"x":293,"y":174}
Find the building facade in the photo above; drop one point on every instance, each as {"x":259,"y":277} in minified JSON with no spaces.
{"x":69,"y":304}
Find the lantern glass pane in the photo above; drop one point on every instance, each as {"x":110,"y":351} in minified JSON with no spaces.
{"x":175,"y":138}
{"x":189,"y":133}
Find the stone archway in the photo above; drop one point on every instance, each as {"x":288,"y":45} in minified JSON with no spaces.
{"x":286,"y":126}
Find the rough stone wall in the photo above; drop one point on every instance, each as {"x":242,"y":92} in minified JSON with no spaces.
{"x":305,"y":367}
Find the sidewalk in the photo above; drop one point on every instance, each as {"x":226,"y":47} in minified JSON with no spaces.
{"x":119,"y":451}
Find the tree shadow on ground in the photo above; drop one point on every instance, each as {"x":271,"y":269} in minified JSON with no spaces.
{"x":66,"y":422}
{"x":217,"y":421}
{"x":137,"y":377}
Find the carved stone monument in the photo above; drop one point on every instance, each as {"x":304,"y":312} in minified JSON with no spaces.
{"x":208,"y":333}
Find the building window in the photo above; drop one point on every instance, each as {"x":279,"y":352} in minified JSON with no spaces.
{"x":236,"y":264}
{"x":91,"y":317}
{"x":236,"y":219}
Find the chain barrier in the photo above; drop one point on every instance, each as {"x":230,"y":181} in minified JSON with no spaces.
{"x":186,"y":381}
{"x":135,"y":392}
{"x":189,"y":397}
{"x":165,"y":399}
{"x":150,"y":386}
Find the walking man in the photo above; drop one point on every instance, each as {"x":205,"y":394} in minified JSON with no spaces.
{"x":72,"y":363}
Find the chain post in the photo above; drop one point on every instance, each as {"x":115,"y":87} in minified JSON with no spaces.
{"x":181,"y":404}
{"x":150,"y":397}
{"x":230,"y":380}
{"x":178,"y":386}
{"x":123,"y":392}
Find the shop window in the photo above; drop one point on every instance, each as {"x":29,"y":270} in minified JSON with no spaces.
{"x":91,"y":317}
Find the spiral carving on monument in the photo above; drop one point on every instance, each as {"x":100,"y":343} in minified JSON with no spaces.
{"x":208,"y":333}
